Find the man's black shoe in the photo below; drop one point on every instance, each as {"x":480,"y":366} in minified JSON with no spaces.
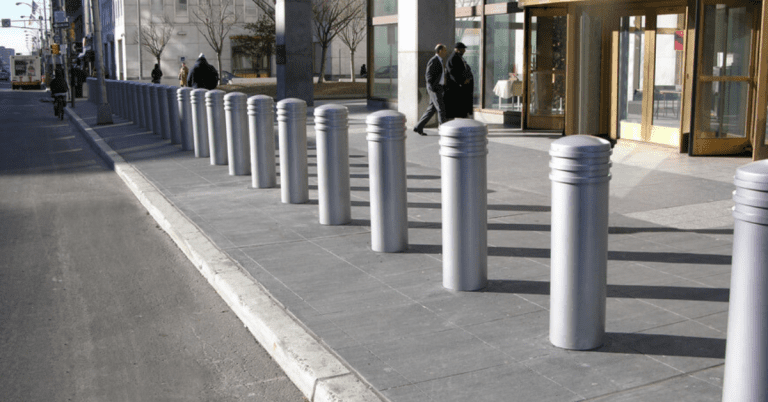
{"x":421,"y":132}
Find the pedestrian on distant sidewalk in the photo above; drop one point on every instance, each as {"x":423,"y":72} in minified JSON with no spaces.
{"x":436,"y":88}
{"x":203,"y":75}
{"x":183,"y":74}
{"x":157,"y":74}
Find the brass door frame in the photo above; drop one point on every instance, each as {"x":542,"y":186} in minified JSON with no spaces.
{"x":530,"y":120}
{"x":725,"y":146}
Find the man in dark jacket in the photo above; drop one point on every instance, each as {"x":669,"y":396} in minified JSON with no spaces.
{"x":461,"y":84}
{"x":203,"y":75}
{"x":58,"y":85}
{"x":436,"y":88}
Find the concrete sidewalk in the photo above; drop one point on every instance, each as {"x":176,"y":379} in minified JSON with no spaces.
{"x":354,"y":319}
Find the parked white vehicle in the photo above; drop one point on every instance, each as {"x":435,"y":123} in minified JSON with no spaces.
{"x":26,"y":72}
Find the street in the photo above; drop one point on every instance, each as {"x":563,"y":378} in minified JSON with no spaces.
{"x":96,"y":301}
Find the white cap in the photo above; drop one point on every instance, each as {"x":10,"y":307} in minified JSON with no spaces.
{"x":202,"y":56}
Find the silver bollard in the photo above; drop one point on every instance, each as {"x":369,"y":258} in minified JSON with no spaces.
{"x":155,"y":105}
{"x":165,"y":115}
{"x":464,"y":178}
{"x":136,"y":104}
{"x":147,"y":102}
{"x":331,"y":132}
{"x":292,"y":131}
{"x":746,"y":349}
{"x":174,"y":124}
{"x":199,"y":123}
{"x":580,"y":175}
{"x":238,"y":146}
{"x":185,"y":117}
{"x":217,"y":127}
{"x":388,"y":190}
{"x":261,"y":126}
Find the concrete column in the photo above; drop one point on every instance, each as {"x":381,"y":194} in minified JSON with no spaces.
{"x":293,"y":53}
{"x":422,"y":24}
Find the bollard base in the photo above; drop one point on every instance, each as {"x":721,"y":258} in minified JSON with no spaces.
{"x":104,"y":115}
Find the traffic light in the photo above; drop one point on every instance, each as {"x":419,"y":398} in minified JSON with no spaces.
{"x":55,"y":48}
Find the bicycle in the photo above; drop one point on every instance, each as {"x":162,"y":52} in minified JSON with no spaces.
{"x":59,"y":102}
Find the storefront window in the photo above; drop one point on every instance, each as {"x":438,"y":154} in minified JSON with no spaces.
{"x":468,"y":33}
{"x":547,"y":80}
{"x":384,"y":68}
{"x":504,"y":61}
{"x":384,"y":7}
{"x":668,"y":79}
{"x":468,"y":3}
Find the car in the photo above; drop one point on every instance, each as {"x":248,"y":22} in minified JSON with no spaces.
{"x":4,"y":75}
{"x":386,"y":72}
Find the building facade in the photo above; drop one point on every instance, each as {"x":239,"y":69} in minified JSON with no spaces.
{"x":685,"y":74}
{"x":5,"y":57}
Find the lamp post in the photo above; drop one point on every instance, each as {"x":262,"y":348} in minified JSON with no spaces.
{"x":104,"y":115}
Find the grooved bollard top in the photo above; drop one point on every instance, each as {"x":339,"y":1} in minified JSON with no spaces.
{"x":751,"y":195}
{"x":260,"y":105}
{"x":332,"y":116}
{"x":385,"y":125}
{"x":198,"y":95}
{"x":580,"y":159}
{"x":235,"y":101}
{"x":214,"y":97}
{"x":183,"y":93}
{"x":463,"y":138}
{"x":297,"y":108}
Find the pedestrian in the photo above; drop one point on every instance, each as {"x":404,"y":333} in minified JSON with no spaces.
{"x":363,"y":71}
{"x":461,"y":84}
{"x":435,"y":76}
{"x":77,"y":78}
{"x":203,"y":75}
{"x":183,"y":74}
{"x":156,"y":74}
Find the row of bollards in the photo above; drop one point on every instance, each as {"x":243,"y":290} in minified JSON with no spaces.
{"x":238,"y":131}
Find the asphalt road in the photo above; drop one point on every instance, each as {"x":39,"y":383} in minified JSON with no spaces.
{"x":96,"y":302}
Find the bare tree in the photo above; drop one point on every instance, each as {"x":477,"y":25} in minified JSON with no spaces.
{"x":267,"y":8}
{"x":156,"y":35}
{"x":331,"y":17}
{"x":354,"y":33}
{"x":261,"y":43}
{"x":215,"y":18}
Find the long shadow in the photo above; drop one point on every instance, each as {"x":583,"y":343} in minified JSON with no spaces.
{"x":663,"y":345}
{"x":411,"y":224}
{"x":617,"y":291}
{"x":662,"y":229}
{"x":491,"y":207}
{"x":668,"y":257}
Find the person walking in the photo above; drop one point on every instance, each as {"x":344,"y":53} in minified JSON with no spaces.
{"x":461,"y":84}
{"x":435,"y":76}
{"x":157,"y":74}
{"x":183,"y":74}
{"x":203,"y":75}
{"x":363,"y":71}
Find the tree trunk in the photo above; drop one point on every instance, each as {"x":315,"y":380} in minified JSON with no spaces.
{"x":322,"y":64}
{"x":352,"y":64}
{"x":158,"y":60}
{"x":221,"y":73}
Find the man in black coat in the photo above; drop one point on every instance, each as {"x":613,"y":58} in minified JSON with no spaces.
{"x":461,"y":84}
{"x":203,"y":75}
{"x":436,"y":79}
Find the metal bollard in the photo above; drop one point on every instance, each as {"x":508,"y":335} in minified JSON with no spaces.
{"x":261,"y":127}
{"x":165,"y":115}
{"x":147,"y":104}
{"x":238,"y":147}
{"x":136,"y":104}
{"x":200,"y":123}
{"x":155,"y":105}
{"x":292,"y":131}
{"x":185,"y":118}
{"x":140,"y":104}
{"x":174,"y":124}
{"x":331,"y":132}
{"x":580,"y":174}
{"x":746,"y":349}
{"x":386,"y":161}
{"x":217,"y":127}
{"x":463,"y":164}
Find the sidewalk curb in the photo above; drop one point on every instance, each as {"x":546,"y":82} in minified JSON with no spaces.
{"x":317,"y":372}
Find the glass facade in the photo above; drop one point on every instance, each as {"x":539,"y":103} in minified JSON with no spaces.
{"x":504,"y":38}
{"x":384,"y":68}
{"x":468,"y":33}
{"x":547,"y":66}
{"x":384,"y":7}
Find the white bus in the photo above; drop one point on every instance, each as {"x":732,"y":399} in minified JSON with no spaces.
{"x":26,"y":72}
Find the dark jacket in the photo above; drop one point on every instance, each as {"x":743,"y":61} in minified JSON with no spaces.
{"x":434,"y":71}
{"x":460,"y":87}
{"x":59,"y":84}
{"x":203,"y":75}
{"x":156,"y":75}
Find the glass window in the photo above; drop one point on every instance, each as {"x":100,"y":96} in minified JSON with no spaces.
{"x":384,"y":69}
{"x":467,"y":3}
{"x":181,"y":7}
{"x":548,"y":51}
{"x":157,"y":8}
{"x":729,"y":31}
{"x":504,"y":38}
{"x":384,"y":7}
{"x":631,"y":66}
{"x":724,"y":105}
{"x":468,"y":33}
{"x":668,"y":80}
{"x":251,"y":11}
